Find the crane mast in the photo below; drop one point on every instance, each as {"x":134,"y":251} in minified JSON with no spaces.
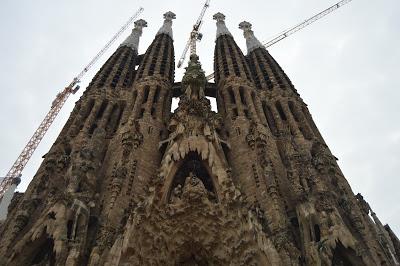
{"x":14,"y":174}
{"x":299,"y":26}
{"x":195,"y":35}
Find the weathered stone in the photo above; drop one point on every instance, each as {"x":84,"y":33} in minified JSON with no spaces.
{"x":130,"y":183}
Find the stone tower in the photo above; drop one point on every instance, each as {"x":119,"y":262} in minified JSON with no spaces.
{"x":127,"y":182}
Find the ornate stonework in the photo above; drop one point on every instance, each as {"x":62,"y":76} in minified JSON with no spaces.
{"x":129,"y":183}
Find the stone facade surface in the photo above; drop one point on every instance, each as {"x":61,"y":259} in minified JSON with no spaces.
{"x":127,"y":182}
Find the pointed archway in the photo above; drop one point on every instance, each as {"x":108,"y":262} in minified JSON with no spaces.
{"x":39,"y":252}
{"x":343,"y":256}
{"x":193,"y":166}
{"x":45,"y":254}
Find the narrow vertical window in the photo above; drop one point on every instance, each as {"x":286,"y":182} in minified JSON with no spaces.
{"x":270,"y":118}
{"x":134,"y":99}
{"x":293,"y":111}
{"x":146,"y":94}
{"x":280,"y":111}
{"x":242,"y":97}
{"x":231,"y":95}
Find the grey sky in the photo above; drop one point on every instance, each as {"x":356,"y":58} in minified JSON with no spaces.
{"x":345,"y":67}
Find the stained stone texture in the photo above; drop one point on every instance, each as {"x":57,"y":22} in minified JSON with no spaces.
{"x":127,"y":182}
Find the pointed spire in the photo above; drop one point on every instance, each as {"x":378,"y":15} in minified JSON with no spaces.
{"x":221,"y":27}
{"x":133,"y":40}
{"x":252,"y":42}
{"x":166,"y":28}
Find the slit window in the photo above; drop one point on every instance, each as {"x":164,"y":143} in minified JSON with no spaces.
{"x":242,"y":97}
{"x":317,"y":233}
{"x":231,"y":95}
{"x":280,"y":111}
{"x":102,"y":109}
{"x":156,"y":95}
{"x":270,"y":118}
{"x":146,"y":94}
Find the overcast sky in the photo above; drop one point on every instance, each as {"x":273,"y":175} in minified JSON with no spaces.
{"x":344,"y":66}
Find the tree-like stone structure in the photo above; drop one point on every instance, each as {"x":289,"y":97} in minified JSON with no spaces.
{"x":127,"y":182}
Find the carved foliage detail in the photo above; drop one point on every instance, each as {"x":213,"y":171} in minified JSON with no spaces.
{"x":132,"y":138}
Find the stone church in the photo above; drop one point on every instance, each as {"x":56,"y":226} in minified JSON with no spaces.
{"x":127,"y":182}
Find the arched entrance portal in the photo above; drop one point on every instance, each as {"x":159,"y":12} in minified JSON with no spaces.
{"x":345,"y":256}
{"x":193,"y":166}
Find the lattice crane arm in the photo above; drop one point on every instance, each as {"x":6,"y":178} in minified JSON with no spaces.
{"x":194,"y":35}
{"x":110,"y":42}
{"x":16,"y":169}
{"x":305,"y":23}
{"x":199,"y":21}
{"x":183,"y":56}
{"x":300,"y":26}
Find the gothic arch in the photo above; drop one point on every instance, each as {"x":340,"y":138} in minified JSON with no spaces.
{"x":181,"y":170}
{"x":39,"y":252}
{"x":343,"y":256}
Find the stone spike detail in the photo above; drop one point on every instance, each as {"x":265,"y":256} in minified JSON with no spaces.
{"x":166,"y":28}
{"x":132,"y":40}
{"x":252,"y":42}
{"x":221,"y":27}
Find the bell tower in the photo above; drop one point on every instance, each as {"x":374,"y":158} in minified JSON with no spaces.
{"x":130,"y":182}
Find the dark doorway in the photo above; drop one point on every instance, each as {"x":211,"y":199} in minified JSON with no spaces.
{"x":345,"y":256}
{"x":45,"y":254}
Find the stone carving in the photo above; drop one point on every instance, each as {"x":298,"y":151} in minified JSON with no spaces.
{"x":177,"y":193}
{"x":118,"y":177}
{"x":364,"y":206}
{"x":322,"y":159}
{"x":87,"y":160}
{"x":105,"y":237}
{"x":113,"y":199}
{"x":194,"y":129}
{"x":193,"y":189}
{"x":325,"y":201}
{"x":257,"y":134}
{"x":351,"y":209}
{"x":248,"y":247}
{"x":132,"y":138}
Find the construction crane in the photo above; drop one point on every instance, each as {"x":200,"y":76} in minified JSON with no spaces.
{"x":305,"y":23}
{"x":195,"y":35}
{"x":14,"y":174}
{"x":300,"y":26}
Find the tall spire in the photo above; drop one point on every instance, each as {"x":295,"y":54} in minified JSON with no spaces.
{"x":252,"y":42}
{"x":132,"y":40}
{"x":221,"y":27}
{"x":166,"y":28}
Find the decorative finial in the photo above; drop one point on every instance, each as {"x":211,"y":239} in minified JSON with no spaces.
{"x":221,"y":27}
{"x":251,"y":41}
{"x":244,"y":25}
{"x":169,"y":16}
{"x":133,"y":40}
{"x":219,"y":17}
{"x":166,"y":28}
{"x":140,"y":24}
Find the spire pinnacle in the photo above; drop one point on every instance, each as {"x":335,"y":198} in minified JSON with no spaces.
{"x":166,"y":28}
{"x":252,"y":42}
{"x":132,"y":40}
{"x":221,"y":27}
